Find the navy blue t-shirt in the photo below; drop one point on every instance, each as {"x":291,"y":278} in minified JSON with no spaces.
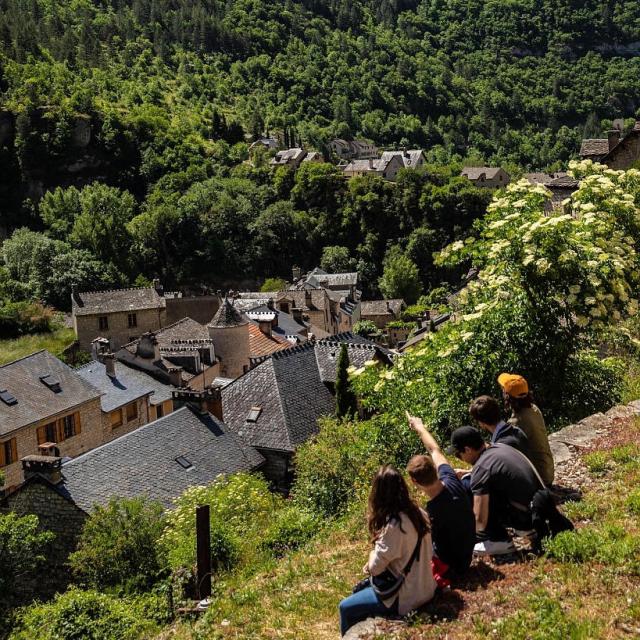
{"x":453,"y":525}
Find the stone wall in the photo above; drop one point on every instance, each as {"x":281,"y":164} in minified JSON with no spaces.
{"x":143,"y":417}
{"x":119,"y":333}
{"x":58,"y":515}
{"x":90,"y":437}
{"x":626,"y":153}
{"x":198,"y":308}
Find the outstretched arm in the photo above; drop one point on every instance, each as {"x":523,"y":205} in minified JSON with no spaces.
{"x":427,"y":440}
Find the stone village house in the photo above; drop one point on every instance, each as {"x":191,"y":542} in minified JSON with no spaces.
{"x":488,"y":177}
{"x":615,"y":151}
{"x":45,"y":405}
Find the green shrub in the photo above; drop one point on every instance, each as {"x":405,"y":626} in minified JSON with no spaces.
{"x":610,"y":544}
{"x":625,"y":453}
{"x":290,"y":529}
{"x":596,"y":462}
{"x":21,"y":547}
{"x":20,"y":318}
{"x":633,"y":502}
{"x":89,"y":615}
{"x":544,"y":619}
{"x":241,"y":506}
{"x":336,"y":465}
{"x":119,"y":548}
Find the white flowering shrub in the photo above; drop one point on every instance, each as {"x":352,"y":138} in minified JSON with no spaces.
{"x":549,"y":284}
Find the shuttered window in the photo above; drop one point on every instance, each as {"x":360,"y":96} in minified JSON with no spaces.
{"x":8,"y":452}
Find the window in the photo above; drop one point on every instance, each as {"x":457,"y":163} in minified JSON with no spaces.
{"x":8,"y":452}
{"x":133,"y":320}
{"x":103,"y":323}
{"x":70,"y":426}
{"x":116,"y":418}
{"x":47,"y":433}
{"x":254,"y":414}
{"x":132,"y":411}
{"x":159,"y":411}
{"x":185,"y":463}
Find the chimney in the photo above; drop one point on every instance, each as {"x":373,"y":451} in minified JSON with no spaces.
{"x":48,"y":467}
{"x":148,"y":347}
{"x":613,"y":137}
{"x":109,"y":364}
{"x":370,"y":163}
{"x":270,"y":304}
{"x":99,"y":347}
{"x":75,"y":294}
{"x":157,"y":285}
{"x":296,"y":312}
{"x":203,"y":402}
{"x":175,"y":376}
{"x":296,"y":272}
{"x":265,"y":327}
{"x":307,"y":298}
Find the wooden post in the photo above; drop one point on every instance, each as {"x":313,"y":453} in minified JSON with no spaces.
{"x":203,"y":552}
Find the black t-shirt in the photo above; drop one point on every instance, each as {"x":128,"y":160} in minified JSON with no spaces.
{"x":452,"y":521}
{"x":504,"y":475}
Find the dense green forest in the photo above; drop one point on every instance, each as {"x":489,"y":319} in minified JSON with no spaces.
{"x":157,"y":100}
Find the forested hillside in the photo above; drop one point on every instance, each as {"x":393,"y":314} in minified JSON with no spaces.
{"x":160,"y":97}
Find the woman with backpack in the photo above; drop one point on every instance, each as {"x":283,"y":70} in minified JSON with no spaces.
{"x":399,"y":564}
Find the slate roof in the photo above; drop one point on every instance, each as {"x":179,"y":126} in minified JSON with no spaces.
{"x":143,"y":462}
{"x":117,"y":300}
{"x":291,"y":394}
{"x":347,"y":279}
{"x":327,"y":352}
{"x":36,"y":401}
{"x":286,"y":326}
{"x":128,"y":385}
{"x":594,"y":147}
{"x":319,"y":298}
{"x":544,"y":178}
{"x":392,"y":306}
{"x":227,"y":316}
{"x":422,"y":333}
{"x":289,"y":155}
{"x":375,"y":164}
{"x":474,"y":173}
{"x":410,"y":157}
{"x":261,"y":345}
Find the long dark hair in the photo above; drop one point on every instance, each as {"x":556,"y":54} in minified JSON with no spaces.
{"x":389,"y":496}
{"x":517,"y":404}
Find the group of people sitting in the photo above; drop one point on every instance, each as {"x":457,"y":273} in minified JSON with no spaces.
{"x":468,"y":512}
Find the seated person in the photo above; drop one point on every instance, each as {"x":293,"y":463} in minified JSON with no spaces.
{"x":485,"y":410}
{"x":449,"y":506}
{"x":395,"y":524}
{"x":502,"y":484}
{"x":526,"y":416}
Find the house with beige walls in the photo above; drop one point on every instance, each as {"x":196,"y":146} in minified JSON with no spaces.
{"x":45,"y":407}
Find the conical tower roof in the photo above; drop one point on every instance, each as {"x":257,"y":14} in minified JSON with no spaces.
{"x":228,"y":316}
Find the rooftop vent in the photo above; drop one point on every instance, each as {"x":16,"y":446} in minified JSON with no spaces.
{"x":184,"y":463}
{"x":52,"y":382}
{"x":254,"y":414}
{"x":8,"y":398}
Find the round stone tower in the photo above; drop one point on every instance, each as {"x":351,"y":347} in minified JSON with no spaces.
{"x":229,"y":330}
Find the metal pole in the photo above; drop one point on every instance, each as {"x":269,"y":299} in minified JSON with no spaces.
{"x":203,"y":551}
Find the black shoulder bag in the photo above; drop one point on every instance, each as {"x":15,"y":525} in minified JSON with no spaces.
{"x":387,"y":584}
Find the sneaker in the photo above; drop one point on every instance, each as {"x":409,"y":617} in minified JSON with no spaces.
{"x":494,"y":548}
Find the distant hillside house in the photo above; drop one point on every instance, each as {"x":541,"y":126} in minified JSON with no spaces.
{"x":130,"y":398}
{"x":614,"y":151}
{"x":313,"y":156}
{"x":288,"y":158}
{"x":353,"y":149}
{"x":45,"y":406}
{"x":488,"y":177}
{"x":267,"y":143}
{"x":119,"y":315}
{"x":560,"y":184}
{"x":411,"y":158}
{"x":381,"y":312}
{"x":386,"y":168}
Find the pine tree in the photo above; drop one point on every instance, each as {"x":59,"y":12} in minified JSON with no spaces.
{"x":345,"y":398}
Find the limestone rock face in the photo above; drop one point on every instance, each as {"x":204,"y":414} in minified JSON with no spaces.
{"x":375,"y":628}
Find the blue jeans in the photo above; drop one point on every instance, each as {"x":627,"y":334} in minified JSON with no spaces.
{"x":361,"y":605}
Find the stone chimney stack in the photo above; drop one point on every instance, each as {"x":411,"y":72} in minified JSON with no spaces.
{"x":74,"y":293}
{"x":109,"y":360}
{"x":203,"y":402}
{"x":48,"y":467}
{"x":157,"y":285}
{"x":296,"y":312}
{"x":265,"y":327}
{"x":296,"y":272}
{"x":613,"y":137}
{"x":99,"y":347}
{"x":175,"y":377}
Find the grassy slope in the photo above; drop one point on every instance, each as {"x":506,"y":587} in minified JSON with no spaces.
{"x":54,"y":342}
{"x":539,"y":599}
